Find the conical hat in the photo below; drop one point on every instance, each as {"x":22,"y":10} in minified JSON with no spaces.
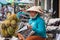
{"x":36,"y":9}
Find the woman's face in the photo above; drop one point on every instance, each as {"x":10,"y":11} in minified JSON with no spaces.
{"x":32,"y":13}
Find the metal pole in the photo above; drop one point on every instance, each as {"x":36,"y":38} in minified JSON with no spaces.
{"x":38,"y":2}
{"x":45,"y":4}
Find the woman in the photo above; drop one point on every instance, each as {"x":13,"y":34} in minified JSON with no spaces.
{"x":36,"y":23}
{"x":20,"y":13}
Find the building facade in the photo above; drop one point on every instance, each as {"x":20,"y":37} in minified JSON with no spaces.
{"x":52,"y":5}
{"x":46,"y":4}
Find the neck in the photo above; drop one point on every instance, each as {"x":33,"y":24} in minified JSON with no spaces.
{"x":34,"y":17}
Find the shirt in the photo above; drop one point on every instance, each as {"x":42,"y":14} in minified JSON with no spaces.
{"x":19,"y":14}
{"x":38,"y":25}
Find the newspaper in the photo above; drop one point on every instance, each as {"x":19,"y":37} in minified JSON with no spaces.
{"x":26,"y":32}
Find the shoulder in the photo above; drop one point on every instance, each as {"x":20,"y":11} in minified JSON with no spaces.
{"x":40,"y":20}
{"x":29,"y":20}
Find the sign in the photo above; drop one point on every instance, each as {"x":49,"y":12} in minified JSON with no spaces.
{"x":27,"y":1}
{"x":11,"y":1}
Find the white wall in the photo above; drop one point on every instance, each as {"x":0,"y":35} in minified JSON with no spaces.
{"x":45,"y":4}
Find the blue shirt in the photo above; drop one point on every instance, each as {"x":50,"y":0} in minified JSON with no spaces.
{"x":19,"y":14}
{"x":38,"y":25}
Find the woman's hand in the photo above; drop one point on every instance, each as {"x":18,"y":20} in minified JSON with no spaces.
{"x":29,"y":27}
{"x":20,"y":36}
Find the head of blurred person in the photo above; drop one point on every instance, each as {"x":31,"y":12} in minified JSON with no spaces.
{"x":34,"y":11}
{"x":24,"y":10}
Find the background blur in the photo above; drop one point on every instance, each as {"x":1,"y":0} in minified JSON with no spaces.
{"x":51,"y":13}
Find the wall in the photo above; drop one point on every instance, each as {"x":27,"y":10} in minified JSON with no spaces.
{"x":59,"y":8}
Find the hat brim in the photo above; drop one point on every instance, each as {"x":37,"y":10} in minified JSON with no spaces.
{"x":34,"y":11}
